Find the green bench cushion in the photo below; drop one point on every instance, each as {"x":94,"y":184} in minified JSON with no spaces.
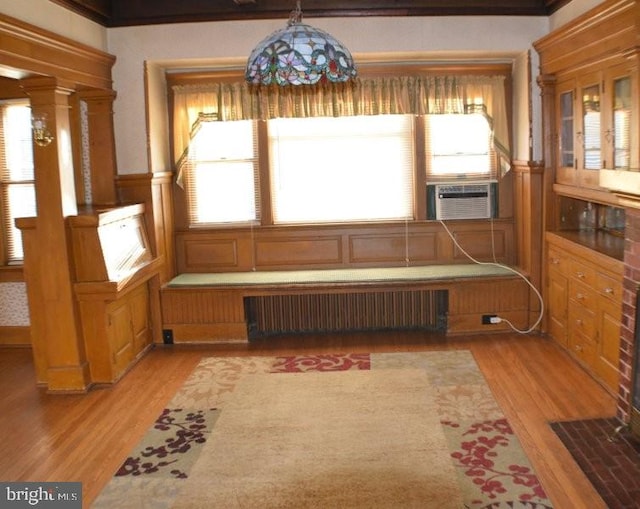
{"x":386,"y":274}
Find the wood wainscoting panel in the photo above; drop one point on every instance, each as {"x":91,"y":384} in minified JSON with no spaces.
{"x":481,"y":244}
{"x":204,"y":316}
{"x":286,"y":251}
{"x":211,"y":253}
{"x":468,"y":302}
{"x":392,"y":247}
{"x":294,"y":247}
{"x":13,"y":335}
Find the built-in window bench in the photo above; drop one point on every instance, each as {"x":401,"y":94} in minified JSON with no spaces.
{"x":234,"y":306}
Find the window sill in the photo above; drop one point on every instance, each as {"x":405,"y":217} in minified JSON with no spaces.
{"x":11,"y":273}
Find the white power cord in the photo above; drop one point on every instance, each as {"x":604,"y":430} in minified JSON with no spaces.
{"x":498,"y":319}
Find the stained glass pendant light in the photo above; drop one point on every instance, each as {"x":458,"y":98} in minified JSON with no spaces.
{"x":299,"y":55}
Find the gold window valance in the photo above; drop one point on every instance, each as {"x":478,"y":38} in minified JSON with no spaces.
{"x":417,"y":95}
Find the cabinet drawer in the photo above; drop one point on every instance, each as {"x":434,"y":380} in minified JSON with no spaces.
{"x":609,"y":287}
{"x":584,"y":273}
{"x":583,"y":349}
{"x":582,"y":321}
{"x":583,"y":294}
{"x":557,"y":260}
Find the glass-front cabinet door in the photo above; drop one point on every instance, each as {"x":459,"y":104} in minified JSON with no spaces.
{"x":590,"y":130}
{"x":621,"y":131}
{"x":621,"y":143}
{"x":566,"y":156}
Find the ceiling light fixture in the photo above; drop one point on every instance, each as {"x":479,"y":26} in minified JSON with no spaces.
{"x":299,"y":55}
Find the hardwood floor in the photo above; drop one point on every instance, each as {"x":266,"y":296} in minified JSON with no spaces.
{"x":86,"y":437}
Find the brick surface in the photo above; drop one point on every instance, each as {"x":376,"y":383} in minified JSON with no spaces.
{"x":610,"y":461}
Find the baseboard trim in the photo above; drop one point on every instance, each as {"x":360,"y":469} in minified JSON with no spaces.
{"x":15,"y":335}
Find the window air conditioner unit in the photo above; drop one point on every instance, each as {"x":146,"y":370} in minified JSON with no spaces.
{"x":462,"y":200}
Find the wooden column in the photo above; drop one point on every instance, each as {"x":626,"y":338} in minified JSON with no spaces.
{"x":547,"y":84}
{"x":56,"y":335}
{"x":528,"y":200}
{"x":102,"y":151}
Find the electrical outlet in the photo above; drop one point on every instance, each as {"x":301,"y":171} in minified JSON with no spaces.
{"x":167,"y":336}
{"x":489,"y":319}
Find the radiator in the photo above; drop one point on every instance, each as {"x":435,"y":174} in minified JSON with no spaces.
{"x":347,"y":312}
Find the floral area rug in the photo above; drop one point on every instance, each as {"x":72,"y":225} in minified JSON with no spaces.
{"x":373,"y":430}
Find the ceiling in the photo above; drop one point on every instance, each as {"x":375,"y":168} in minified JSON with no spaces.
{"x":115,"y":13}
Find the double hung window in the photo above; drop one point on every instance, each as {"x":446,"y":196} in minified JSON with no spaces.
{"x":458,"y":145}
{"x":341,"y":169}
{"x":222,"y":173}
{"x":334,"y":154}
{"x":17,"y":183}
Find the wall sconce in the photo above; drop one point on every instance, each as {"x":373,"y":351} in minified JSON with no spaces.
{"x":41,"y":135}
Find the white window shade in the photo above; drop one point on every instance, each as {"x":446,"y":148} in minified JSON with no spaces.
{"x":341,"y":169}
{"x":16,"y":174}
{"x":222,"y":178}
{"x":459,"y":145}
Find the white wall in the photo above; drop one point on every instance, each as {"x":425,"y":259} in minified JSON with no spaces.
{"x":571,"y":11}
{"x":229,"y":44}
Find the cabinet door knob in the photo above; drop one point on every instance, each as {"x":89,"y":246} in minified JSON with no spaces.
{"x":555,"y":261}
{"x":608,"y":290}
{"x":580,"y":296}
{"x":580,"y":275}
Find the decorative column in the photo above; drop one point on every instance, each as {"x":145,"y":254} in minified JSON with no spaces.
{"x":102,"y":151}
{"x":547,"y":84}
{"x":58,"y":347}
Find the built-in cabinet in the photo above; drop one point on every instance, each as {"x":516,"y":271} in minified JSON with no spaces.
{"x":596,"y":115}
{"x":584,"y":291}
{"x":117,"y":281}
{"x":589,"y":79}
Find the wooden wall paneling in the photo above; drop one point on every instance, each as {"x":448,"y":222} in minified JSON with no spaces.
{"x":529,"y":226}
{"x":470,"y":300}
{"x":155,"y":190}
{"x":298,"y":251}
{"x":608,"y":28}
{"x":480,"y":244}
{"x":342,"y":246}
{"x":395,"y":248}
{"x":196,"y":315}
{"x":15,"y":335}
{"x":32,"y":50}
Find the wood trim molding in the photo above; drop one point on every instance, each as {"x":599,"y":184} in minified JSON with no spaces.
{"x":29,"y":50}
{"x":610,"y":26}
{"x":11,"y":274}
{"x":15,"y":335}
{"x":366,"y":69}
{"x":528,"y":167}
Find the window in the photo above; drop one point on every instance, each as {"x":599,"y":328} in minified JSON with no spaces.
{"x":458,"y":145}
{"x":16,"y":174}
{"x":329,"y":169}
{"x":335,"y":154}
{"x":222,"y":175}
{"x":341,"y":169}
